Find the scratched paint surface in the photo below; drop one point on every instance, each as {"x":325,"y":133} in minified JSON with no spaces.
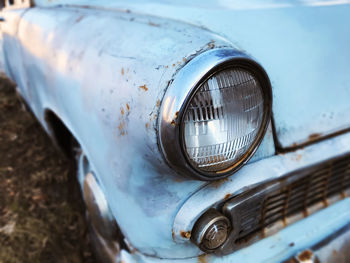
{"x":303,"y":45}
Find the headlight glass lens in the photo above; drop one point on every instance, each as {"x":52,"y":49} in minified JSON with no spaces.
{"x":223,"y":119}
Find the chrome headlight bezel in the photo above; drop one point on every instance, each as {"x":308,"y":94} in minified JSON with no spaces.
{"x":180,"y":92}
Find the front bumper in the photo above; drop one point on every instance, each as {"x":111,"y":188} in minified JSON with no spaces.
{"x":326,"y":233}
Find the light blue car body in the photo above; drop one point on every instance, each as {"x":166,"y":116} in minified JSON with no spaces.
{"x":103,"y":68}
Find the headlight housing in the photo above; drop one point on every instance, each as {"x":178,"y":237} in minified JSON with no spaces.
{"x":214,"y":114}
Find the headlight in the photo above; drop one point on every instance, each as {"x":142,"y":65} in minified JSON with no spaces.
{"x":215,"y":113}
{"x":222,"y":119}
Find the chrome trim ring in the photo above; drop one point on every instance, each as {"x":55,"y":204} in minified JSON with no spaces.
{"x":180,"y":92}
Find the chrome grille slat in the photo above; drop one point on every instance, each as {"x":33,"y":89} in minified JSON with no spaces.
{"x":293,"y":197}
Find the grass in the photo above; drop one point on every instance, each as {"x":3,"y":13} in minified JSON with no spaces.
{"x":41,"y":212}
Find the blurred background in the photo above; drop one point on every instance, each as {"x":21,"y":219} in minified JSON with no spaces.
{"x":41,"y":211}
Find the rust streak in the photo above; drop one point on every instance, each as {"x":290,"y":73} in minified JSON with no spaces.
{"x":158,"y":103}
{"x":127,"y":107}
{"x":122,"y":111}
{"x":122,"y":71}
{"x":227,"y":196}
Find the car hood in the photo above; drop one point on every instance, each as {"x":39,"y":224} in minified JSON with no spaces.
{"x":303,"y":45}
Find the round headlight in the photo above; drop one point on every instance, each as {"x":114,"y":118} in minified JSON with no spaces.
{"x":214,"y":114}
{"x":222,"y":119}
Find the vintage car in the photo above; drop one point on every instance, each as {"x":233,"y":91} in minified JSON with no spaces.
{"x":203,"y":131}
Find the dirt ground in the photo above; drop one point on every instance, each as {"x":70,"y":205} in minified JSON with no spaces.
{"x":41,"y":212}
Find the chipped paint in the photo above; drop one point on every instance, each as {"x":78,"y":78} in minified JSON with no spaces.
{"x":227,"y":196}
{"x":185,"y":234}
{"x":203,"y":259}
{"x":143,"y":87}
{"x":305,"y":256}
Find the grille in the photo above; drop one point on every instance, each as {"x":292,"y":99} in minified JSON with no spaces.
{"x":292,"y":198}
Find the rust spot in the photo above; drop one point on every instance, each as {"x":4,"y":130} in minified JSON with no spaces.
{"x":185,"y":234}
{"x":184,"y":59}
{"x":292,"y":244}
{"x":158,"y":103}
{"x":127,"y":107}
{"x":173,"y":65}
{"x":202,"y":258}
{"x":343,"y":195}
{"x":144,"y":87}
{"x":227,"y":196}
{"x":173,"y":123}
{"x":153,"y":24}
{"x":314,"y":136}
{"x":147,"y":125}
{"x":121,"y":128}
{"x":211,"y":44}
{"x":284,"y":221}
{"x":178,"y":179}
{"x":176,"y":114}
{"x":122,"y":71}
{"x":305,"y":212}
{"x":173,"y":234}
{"x":79,"y":19}
{"x":122,"y":111}
{"x":298,"y":157}
{"x":218,"y":183}
{"x":306,"y":255}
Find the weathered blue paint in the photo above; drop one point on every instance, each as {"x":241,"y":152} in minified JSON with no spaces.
{"x":103,"y":70}
{"x":303,"y":45}
{"x":283,"y":245}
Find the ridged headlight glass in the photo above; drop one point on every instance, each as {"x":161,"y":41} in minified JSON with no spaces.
{"x":223,"y":119}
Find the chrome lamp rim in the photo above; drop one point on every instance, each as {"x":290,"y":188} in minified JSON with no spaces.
{"x":179,"y":94}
